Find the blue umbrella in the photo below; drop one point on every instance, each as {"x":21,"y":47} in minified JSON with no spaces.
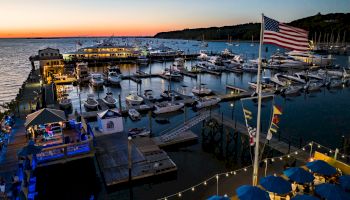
{"x":321,"y":167}
{"x":345,"y":182}
{"x":247,"y":192}
{"x":216,"y":197}
{"x":276,"y":184}
{"x":305,"y":197}
{"x":331,"y":192}
{"x":299,"y":175}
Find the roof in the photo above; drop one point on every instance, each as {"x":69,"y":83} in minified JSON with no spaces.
{"x":44,"y":116}
{"x":108,"y":114}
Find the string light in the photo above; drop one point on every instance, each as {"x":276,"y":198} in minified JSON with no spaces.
{"x":234,"y":173}
{"x":192,"y":189}
{"x":318,"y":146}
{"x":217,"y":176}
{"x":272,"y":159}
{"x":296,"y":153}
{"x":226,"y":174}
{"x":205,"y":183}
{"x":281,"y":158}
{"x":303,"y":148}
{"x":288,"y":156}
{"x":245,"y":169}
{"x":179,"y":194}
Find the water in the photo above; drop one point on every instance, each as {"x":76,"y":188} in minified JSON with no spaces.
{"x":322,"y":116}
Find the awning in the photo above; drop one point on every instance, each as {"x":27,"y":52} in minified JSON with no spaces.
{"x":44,"y":116}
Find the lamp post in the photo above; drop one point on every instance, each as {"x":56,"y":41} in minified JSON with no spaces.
{"x":130,"y":165}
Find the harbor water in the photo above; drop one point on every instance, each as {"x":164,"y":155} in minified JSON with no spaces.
{"x":321,"y":116}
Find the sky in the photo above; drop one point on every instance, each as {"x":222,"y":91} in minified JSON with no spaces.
{"x":67,"y":18}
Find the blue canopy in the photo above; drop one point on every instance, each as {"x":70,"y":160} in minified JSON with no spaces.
{"x":216,"y":197}
{"x":345,"y":182}
{"x":299,"y":175}
{"x":305,"y":197}
{"x":321,"y":167}
{"x":248,"y":192}
{"x":276,"y":184}
{"x":331,"y":192}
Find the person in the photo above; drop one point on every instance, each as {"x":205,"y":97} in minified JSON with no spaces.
{"x":14,"y":186}
{"x":294,"y":188}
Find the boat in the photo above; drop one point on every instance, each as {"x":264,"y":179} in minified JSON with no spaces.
{"x":203,"y":55}
{"x":133,"y":99}
{"x":166,"y":107}
{"x":201,"y":90}
{"x":178,"y":64}
{"x":215,"y":60}
{"x":142,"y":132}
{"x":113,"y":68}
{"x":114,"y":78}
{"x":96,"y":80}
{"x":336,"y":83}
{"x":168,"y":95}
{"x":207,"y":101}
{"x":173,"y":75}
{"x":250,"y":67}
{"x":148,"y":94}
{"x":252,"y":44}
{"x":313,"y":86}
{"x":292,"y":90}
{"x":310,"y":58}
{"x":134,"y":114}
{"x":296,"y":77}
{"x":277,"y":81}
{"x":109,"y":100}
{"x":342,"y":74}
{"x":285,"y":62}
{"x":82,"y":72}
{"x":65,"y":103}
{"x":91,"y":103}
{"x":142,"y":60}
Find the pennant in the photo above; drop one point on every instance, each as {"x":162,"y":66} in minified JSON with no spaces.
{"x":274,"y":121}
{"x":247,"y":114}
{"x":277,"y":110}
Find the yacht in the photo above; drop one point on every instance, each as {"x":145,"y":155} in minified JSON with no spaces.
{"x":310,"y":58}
{"x":292,"y":90}
{"x":178,"y":64}
{"x":173,"y":75}
{"x":215,"y":60}
{"x":114,"y":78}
{"x":133,"y":99}
{"x":109,"y":100}
{"x":286,"y":62}
{"x":277,"y":81}
{"x":296,"y":77}
{"x":203,"y":55}
{"x":65,"y":103}
{"x":207,"y":101}
{"x":91,"y":103}
{"x":313,"y":86}
{"x":96,"y":80}
{"x":250,"y":67}
{"x":149,"y":95}
{"x":201,"y":90}
{"x":134,"y":114}
{"x":142,"y":132}
{"x":165,"y":107}
{"x":82,"y":72}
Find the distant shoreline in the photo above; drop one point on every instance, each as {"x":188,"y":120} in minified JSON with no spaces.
{"x":40,"y":38}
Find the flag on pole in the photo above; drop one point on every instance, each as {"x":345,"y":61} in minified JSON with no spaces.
{"x":277,"y":111}
{"x":247,"y":114}
{"x":285,"y":36}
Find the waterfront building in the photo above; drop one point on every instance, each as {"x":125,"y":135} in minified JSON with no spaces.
{"x":50,"y":63}
{"x":104,"y":51}
{"x":110,"y":121}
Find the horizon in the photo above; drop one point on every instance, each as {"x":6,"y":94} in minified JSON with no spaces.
{"x":139,"y":18}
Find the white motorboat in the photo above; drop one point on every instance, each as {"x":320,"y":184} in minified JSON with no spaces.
{"x":207,"y":101}
{"x":165,"y":107}
{"x":134,"y":114}
{"x":250,"y":67}
{"x":178,"y":64}
{"x":114,"y":68}
{"x":203,"y":55}
{"x":313,"y":86}
{"x":286,"y":62}
{"x":342,"y":74}
{"x":142,"y":60}
{"x":114,"y":78}
{"x":291,"y":90}
{"x":96,"y":80}
{"x":65,"y":103}
{"x":109,"y":100}
{"x":168,"y":95}
{"x":201,"y":90}
{"x":277,"y":81}
{"x":142,"y":132}
{"x":336,"y":83}
{"x":310,"y":58}
{"x":215,"y":60}
{"x":173,"y":75}
{"x":133,"y":99}
{"x":149,"y":95}
{"x":82,"y":72}
{"x":91,"y":103}
{"x":296,"y":77}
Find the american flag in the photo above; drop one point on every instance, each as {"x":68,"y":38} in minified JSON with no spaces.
{"x":285,"y":36}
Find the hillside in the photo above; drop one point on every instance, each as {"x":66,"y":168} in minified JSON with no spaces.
{"x":335,"y":22}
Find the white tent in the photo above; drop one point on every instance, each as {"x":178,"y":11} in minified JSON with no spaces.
{"x":110,"y":121}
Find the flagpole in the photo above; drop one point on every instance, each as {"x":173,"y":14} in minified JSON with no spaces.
{"x":257,"y":138}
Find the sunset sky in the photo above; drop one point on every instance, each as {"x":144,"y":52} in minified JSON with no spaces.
{"x":56,"y":18}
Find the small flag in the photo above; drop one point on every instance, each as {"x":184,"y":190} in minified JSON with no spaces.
{"x":247,"y":114}
{"x":274,"y":121}
{"x":277,"y":110}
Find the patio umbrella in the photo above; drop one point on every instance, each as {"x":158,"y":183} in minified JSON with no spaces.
{"x":276,"y":184}
{"x":248,"y":192}
{"x":345,"y":182}
{"x":30,"y":149}
{"x":299,"y":175}
{"x":305,"y":197}
{"x":321,"y":167}
{"x":216,"y":197}
{"x":331,"y":192}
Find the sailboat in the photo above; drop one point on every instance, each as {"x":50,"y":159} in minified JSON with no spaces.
{"x":237,"y":45}
{"x":201,"y":89}
{"x":229,"y":43}
{"x":252,"y":44}
{"x":204,"y":44}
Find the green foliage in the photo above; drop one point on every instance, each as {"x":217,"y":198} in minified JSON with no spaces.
{"x":330,"y":23}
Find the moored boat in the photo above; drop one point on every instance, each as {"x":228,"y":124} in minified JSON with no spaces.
{"x":133,"y":99}
{"x":109,"y":100}
{"x":134,"y":114}
{"x":91,"y":103}
{"x":65,"y":103}
{"x":96,"y":80}
{"x":142,"y":132}
{"x":207,"y":101}
{"x":114,"y":78}
{"x":166,"y":107}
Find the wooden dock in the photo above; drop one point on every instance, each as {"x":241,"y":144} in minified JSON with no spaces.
{"x":274,"y":143}
{"x":148,"y":159}
{"x":184,"y":137}
{"x":187,"y":73}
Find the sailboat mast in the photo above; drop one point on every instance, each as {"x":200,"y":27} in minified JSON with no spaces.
{"x":257,"y":137}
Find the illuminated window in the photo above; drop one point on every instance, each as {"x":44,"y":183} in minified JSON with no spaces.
{"x":110,"y":125}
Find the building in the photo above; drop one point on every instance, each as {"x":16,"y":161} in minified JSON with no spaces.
{"x":110,"y":121}
{"x":104,"y":51}
{"x":50,"y":63}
